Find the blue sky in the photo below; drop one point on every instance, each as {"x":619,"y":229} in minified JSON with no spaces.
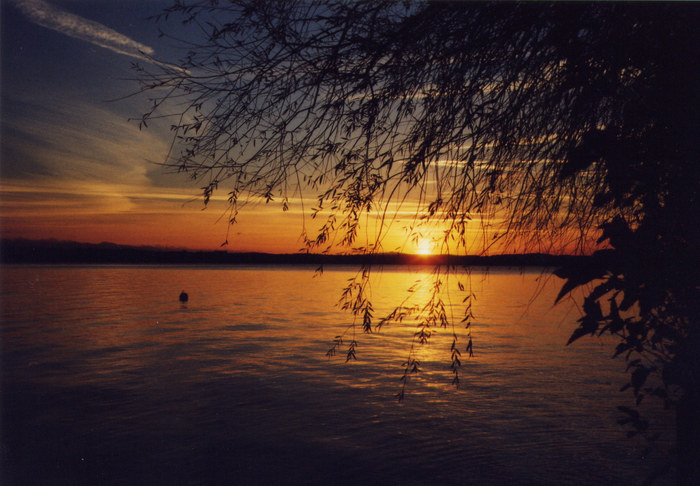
{"x":74,"y":166}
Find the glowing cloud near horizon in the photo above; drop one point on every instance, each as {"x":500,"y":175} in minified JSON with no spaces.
{"x":46,"y":15}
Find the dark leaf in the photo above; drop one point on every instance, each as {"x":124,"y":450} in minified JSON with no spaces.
{"x":639,"y":377}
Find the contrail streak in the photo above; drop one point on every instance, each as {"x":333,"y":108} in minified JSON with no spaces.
{"x":46,"y":15}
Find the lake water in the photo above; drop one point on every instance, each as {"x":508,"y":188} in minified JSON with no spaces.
{"x":108,"y":379}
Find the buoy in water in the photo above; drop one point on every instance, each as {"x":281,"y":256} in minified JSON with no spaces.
{"x":183,"y":296}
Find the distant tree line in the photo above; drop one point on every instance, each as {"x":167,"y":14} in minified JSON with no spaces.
{"x":22,"y":251}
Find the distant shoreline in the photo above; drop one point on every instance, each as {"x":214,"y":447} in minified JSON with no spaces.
{"x":24,"y":251}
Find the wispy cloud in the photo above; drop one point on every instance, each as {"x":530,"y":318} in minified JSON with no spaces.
{"x":47,"y":15}
{"x":71,"y":139}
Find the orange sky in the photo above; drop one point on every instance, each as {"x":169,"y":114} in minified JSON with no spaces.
{"x":94,"y":212}
{"x":135,"y":215}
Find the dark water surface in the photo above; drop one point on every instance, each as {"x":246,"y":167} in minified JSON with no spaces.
{"x":108,"y":379}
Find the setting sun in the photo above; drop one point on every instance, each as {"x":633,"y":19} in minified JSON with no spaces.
{"x":424,"y":247}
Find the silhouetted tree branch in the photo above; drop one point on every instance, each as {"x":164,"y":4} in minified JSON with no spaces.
{"x":541,"y":126}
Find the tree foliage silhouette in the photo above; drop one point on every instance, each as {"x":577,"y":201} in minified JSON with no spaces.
{"x":539,"y":126}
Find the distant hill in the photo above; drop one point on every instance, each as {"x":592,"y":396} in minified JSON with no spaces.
{"x":65,"y":252}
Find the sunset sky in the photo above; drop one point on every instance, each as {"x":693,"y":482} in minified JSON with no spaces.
{"x":74,"y":166}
